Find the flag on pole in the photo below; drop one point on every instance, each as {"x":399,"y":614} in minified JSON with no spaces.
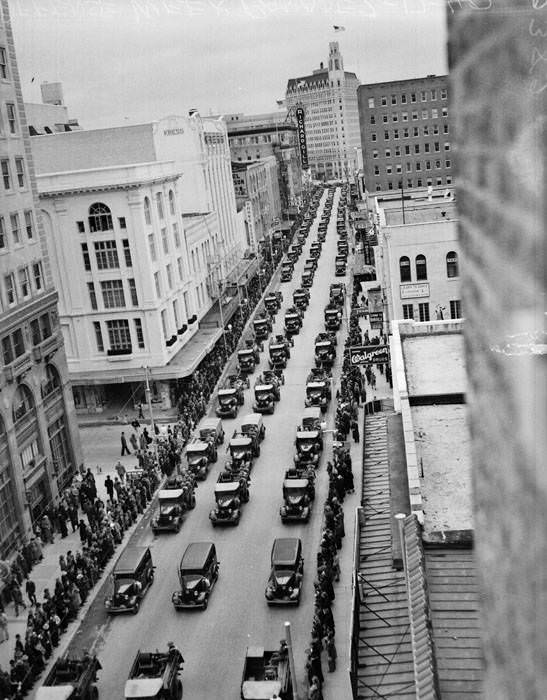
{"x":338,"y":28}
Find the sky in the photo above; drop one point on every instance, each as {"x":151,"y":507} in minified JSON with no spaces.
{"x":134,"y":61}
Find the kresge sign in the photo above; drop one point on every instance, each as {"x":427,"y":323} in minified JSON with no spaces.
{"x":368,"y":354}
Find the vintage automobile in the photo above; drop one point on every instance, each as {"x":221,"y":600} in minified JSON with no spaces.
{"x":340,"y":266}
{"x":312,"y":263}
{"x":242,"y":449}
{"x":301,"y":298}
{"x":71,"y":678}
{"x":297,"y":247}
{"x":322,"y":235}
{"x":198,"y":573}
{"x":307,"y":279}
{"x":315,"y":252}
{"x":155,"y":676}
{"x":272,"y":302}
{"x":268,"y":376}
{"x":231,"y":490}
{"x":247,"y":360}
{"x":264,"y":398}
{"x":199,"y":455}
{"x":279,"y":353}
{"x":287,"y":269}
{"x":337,"y":293}
{"x":266,"y":674}
{"x":211,"y":430}
{"x":292,"y":256}
{"x":318,"y":394}
{"x":293,"y":321}
{"x":325,"y":353}
{"x":311,"y":420}
{"x":285,"y":582}
{"x":333,"y":317}
{"x":307,"y":445}
{"x":132,"y":576}
{"x":262,"y":325}
{"x":227,"y":403}
{"x":296,"y":500}
{"x":172,"y":504}
{"x":253,"y":425}
{"x":342,"y":248}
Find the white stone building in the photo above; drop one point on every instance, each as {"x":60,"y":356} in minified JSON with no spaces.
{"x":329,"y":99}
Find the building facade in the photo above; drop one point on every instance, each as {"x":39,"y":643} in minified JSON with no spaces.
{"x":329,"y":99}
{"x":257,"y":184}
{"x":51,"y":115}
{"x":405,"y":133}
{"x":258,"y":136}
{"x":418,"y":259}
{"x":144,"y":214}
{"x":39,"y":442}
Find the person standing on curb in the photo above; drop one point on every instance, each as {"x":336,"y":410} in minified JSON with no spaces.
{"x":125,"y":449}
{"x":30,"y":588}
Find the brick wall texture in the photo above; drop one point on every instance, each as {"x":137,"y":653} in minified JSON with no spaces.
{"x":498,"y":72}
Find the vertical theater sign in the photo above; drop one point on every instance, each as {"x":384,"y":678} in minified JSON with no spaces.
{"x":302,"y":137}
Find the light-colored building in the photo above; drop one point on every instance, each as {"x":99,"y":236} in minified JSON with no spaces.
{"x":418,"y":256}
{"x":329,"y":99}
{"x":258,"y":136}
{"x":146,"y":217}
{"x":256,"y":186}
{"x":39,"y":442}
{"x":51,"y":115}
{"x":405,"y":133}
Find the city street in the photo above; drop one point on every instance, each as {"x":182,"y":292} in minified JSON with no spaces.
{"x":213,"y":642}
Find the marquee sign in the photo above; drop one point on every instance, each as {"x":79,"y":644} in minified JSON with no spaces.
{"x":302,"y":137}
{"x":368,"y":354}
{"x":376,"y":319}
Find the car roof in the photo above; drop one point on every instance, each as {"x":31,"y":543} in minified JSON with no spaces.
{"x":170,"y":494}
{"x":312,"y":412}
{"x":225,"y":392}
{"x":130,"y":559}
{"x":197,"y":446}
{"x":195,"y":555}
{"x":227,"y":486}
{"x":209,"y":423}
{"x":251,"y":419}
{"x":240,"y":441}
{"x":263,"y":387}
{"x":307,"y":434}
{"x":323,"y":343}
{"x":285,"y":549}
{"x":316,"y":385}
{"x":296,"y":483}
{"x":245,"y":351}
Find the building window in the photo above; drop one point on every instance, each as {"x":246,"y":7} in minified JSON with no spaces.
{"x":421,"y":267}
{"x":403,"y":99}
{"x":384,"y":118}
{"x":395,"y":133}
{"x":80,"y":226}
{"x":98,"y":336}
{"x":157,"y":284}
{"x":447,"y":146}
{"x":386,"y":135}
{"x":416,"y":148}
{"x":169,"y":273}
{"x":14,"y":221}
{"x":433,"y":94}
{"x":423,"y":96}
{"x":3,"y":63}
{"x":384,"y":100}
{"x":139,"y":333}
{"x":147,"y":217}
{"x":20,"y":172}
{"x":437,"y":147}
{"x":127,"y":253}
{"x":394,"y":117}
{"x":133,"y":292}
{"x":447,"y":164}
{"x":397,"y":150}
{"x":180,"y":268}
{"x":164,"y":323}
{"x":29,"y":224}
{"x":390,"y":185}
{"x":2,"y":233}
{"x":106,"y":255}
{"x":425,"y":114}
{"x":407,"y":150}
{"x":408,"y":311}
{"x":404,"y":116}
{"x":416,"y":131}
{"x":87,"y":260}
{"x":172,"y":202}
{"x":6,"y":176}
{"x":435,"y":129}
{"x":23,"y":402}
{"x":413,"y":97}
{"x":371,"y":102}
{"x":428,"y":165}
{"x":434,"y":114}
{"x":404,"y":269}
{"x":38,"y":276}
{"x":418,"y":168}
{"x":164,"y":241}
{"x":419,"y":183}
{"x":92,"y":295}
{"x":445,"y":128}
{"x":388,"y":153}
{"x":375,"y":154}
{"x":372,"y":119}
{"x":426,"y":130}
{"x":373,"y":137}
{"x":427,"y":147}
{"x":100,"y":218}
{"x":405,"y":133}
{"x":409,"y":167}
{"x":159,"y":204}
{"x":119,"y":335}
{"x":452,"y":264}
{"x":389,"y":169}
{"x":376,"y":170}
{"x":121,"y":222}
{"x":13,"y":346}
{"x":113,"y":296}
{"x":176,"y":235}
{"x":398,"y":168}
{"x":35,"y":334}
{"x":414,"y":116}
{"x":455,"y":308}
{"x":152,"y":246}
{"x":24,"y":284}
{"x":409,"y":183}
{"x":423,"y":311}
{"x":444,"y":93}
{"x":12,"y":117}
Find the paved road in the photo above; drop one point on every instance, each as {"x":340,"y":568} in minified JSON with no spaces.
{"x":214,"y":641}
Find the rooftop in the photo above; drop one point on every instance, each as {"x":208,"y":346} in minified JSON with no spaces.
{"x":406,"y":81}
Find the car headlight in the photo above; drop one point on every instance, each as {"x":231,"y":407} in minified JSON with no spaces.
{"x":108,"y":602}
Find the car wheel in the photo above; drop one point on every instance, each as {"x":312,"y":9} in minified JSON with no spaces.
{"x":193,"y":502}
{"x":205,"y":602}
{"x":136,"y":608}
{"x":258,"y":451}
{"x":215,"y":457}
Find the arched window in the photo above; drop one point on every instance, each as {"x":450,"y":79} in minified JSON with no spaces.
{"x":53,"y":380}
{"x":100,"y":218}
{"x":23,"y":402}
{"x":172,"y":202}
{"x":404,"y":269}
{"x":421,"y":267}
{"x":159,"y":204}
{"x":452,"y":264}
{"x":147,"y":211}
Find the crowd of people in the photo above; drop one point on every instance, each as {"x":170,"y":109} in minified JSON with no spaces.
{"x":101,"y":526}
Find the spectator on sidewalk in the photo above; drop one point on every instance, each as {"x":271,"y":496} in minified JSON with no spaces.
{"x":109,"y":486}
{"x":30,"y":589}
{"x":125,"y":449}
{"x":17,"y":598}
{"x":134,"y":442}
{"x":121,"y":471}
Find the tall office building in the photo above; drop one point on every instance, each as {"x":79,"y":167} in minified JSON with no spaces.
{"x":39,"y":442}
{"x":405,"y":133}
{"x":329,"y":99}
{"x":498,"y":98}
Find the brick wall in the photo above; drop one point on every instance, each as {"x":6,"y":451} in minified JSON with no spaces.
{"x":498,"y":93}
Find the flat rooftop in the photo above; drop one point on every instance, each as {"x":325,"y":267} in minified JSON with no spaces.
{"x":422,"y":213}
{"x":434,"y":363}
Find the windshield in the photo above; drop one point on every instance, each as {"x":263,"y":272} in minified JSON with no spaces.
{"x":167,"y":507}
{"x":239,"y":452}
{"x":263,"y":393}
{"x":245,"y":353}
{"x":195,"y":457}
{"x":314,"y":391}
{"x":295,"y":494}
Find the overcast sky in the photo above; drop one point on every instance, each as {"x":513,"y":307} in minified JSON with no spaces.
{"x":131,"y":61}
